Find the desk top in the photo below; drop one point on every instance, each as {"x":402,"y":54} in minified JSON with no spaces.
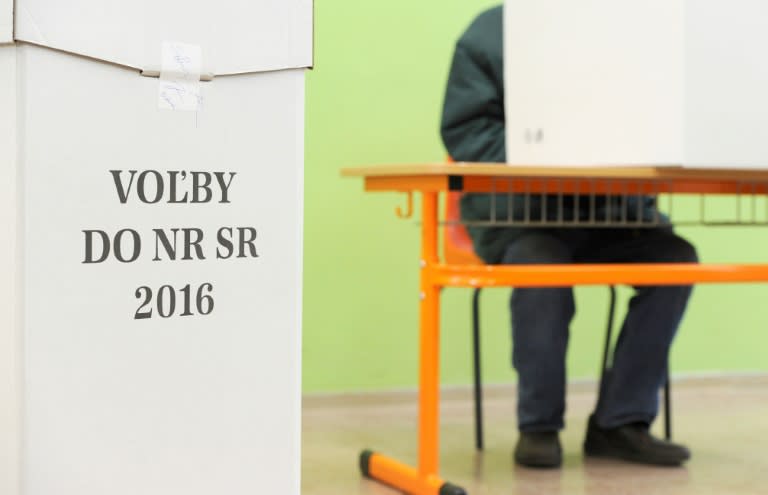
{"x":502,"y":170}
{"x":499,"y":177}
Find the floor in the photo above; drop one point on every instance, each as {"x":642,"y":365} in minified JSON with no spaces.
{"x":723,"y":420}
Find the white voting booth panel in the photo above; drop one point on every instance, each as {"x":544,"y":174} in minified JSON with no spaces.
{"x":150,"y":338}
{"x":621,"y":82}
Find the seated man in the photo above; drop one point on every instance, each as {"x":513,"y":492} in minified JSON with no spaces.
{"x":473,"y":130}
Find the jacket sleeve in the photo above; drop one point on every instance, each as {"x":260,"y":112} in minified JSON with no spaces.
{"x":472,"y":124}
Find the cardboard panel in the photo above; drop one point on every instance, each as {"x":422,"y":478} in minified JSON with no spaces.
{"x":236,"y":36}
{"x":9,"y":341}
{"x":194,"y":389}
{"x":594,"y":82}
{"x":6,"y":21}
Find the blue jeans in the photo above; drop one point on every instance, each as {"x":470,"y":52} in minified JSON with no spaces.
{"x":541,"y":317}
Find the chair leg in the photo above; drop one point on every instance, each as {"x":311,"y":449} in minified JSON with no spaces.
{"x":668,"y":407}
{"x":606,"y":366}
{"x":476,"y":367}
{"x":608,"y":337}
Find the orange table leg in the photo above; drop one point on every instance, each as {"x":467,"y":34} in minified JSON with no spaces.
{"x":424,"y":480}
{"x":429,"y":343}
{"x":404,"y":477}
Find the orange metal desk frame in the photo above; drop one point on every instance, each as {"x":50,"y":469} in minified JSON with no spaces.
{"x":431,"y":180}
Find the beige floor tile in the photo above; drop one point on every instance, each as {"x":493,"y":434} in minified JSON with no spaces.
{"x":723,"y":421}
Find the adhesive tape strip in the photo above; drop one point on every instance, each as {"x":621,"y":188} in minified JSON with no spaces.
{"x":180,"y":76}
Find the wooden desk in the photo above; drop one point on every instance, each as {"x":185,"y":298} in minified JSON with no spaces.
{"x":431,"y":180}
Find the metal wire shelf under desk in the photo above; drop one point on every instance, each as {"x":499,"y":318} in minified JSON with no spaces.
{"x":600,"y":203}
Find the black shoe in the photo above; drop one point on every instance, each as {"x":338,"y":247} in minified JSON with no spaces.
{"x":632,"y":442}
{"x":539,"y":450}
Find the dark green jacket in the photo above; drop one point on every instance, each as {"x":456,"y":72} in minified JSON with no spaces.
{"x":473,"y":131}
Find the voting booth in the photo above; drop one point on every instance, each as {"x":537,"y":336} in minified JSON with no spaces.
{"x":625,"y":82}
{"x":151,"y":197}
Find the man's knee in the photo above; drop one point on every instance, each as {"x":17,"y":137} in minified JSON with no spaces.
{"x":537,"y":248}
{"x":679,"y":250}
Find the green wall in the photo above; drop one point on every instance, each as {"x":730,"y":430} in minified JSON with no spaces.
{"x":375,"y":98}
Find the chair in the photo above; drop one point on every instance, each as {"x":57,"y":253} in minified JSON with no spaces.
{"x":458,"y":249}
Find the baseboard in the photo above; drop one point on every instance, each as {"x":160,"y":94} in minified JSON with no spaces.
{"x":497,"y":390}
